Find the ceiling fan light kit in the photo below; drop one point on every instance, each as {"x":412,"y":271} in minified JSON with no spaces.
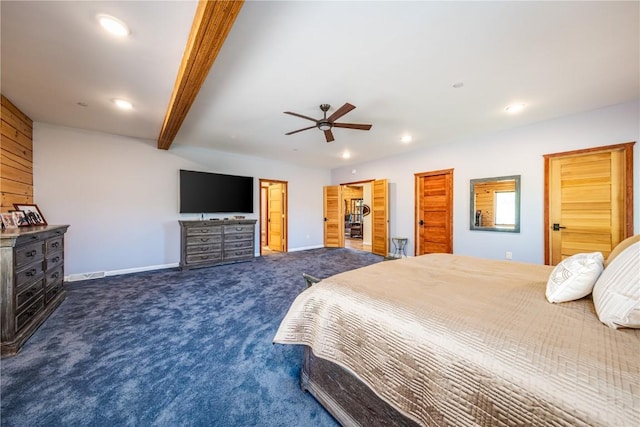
{"x":325,"y":124}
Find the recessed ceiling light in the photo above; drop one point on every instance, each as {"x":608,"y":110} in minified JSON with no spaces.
{"x":458,"y":85}
{"x":515,"y":108}
{"x":122,"y":104}
{"x":346,"y":155}
{"x":113,"y":25}
{"x":406,"y":139}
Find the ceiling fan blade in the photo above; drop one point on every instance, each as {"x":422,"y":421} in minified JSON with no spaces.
{"x":352,"y":126}
{"x":301,"y":116}
{"x":340,"y":112}
{"x":328,"y":135}
{"x":299,"y":130}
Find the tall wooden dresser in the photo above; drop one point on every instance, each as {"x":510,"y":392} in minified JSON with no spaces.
{"x":212,"y":242}
{"x":31,"y":281}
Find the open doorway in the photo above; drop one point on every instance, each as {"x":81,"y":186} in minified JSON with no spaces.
{"x":273,"y":216}
{"x":356,"y":202}
{"x":343,"y":224}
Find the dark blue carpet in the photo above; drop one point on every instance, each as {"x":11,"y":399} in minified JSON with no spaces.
{"x":172,"y":348}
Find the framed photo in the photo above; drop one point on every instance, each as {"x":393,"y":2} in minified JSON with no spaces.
{"x":20,"y":218}
{"x":7,"y":220}
{"x":32,"y":213}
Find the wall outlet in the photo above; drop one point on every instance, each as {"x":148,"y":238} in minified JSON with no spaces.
{"x":508,"y":255}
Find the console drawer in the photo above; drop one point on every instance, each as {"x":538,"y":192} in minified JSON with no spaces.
{"x":199,"y":231}
{"x":200,"y":258}
{"x":28,"y":274}
{"x":53,"y":260}
{"x":204,"y":239}
{"x":55,"y":244}
{"x":24,"y":317}
{"x":236,"y":254}
{"x":202,"y":249}
{"x":238,"y":236}
{"x":238,"y":228}
{"x":28,"y":293}
{"x":28,"y":254}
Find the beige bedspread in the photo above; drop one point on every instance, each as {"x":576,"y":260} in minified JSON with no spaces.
{"x":455,"y":340}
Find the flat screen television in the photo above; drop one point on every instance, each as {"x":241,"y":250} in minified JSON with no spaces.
{"x":205,"y":192}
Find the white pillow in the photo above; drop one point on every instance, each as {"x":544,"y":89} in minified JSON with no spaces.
{"x":574,"y":277}
{"x":616,"y":294}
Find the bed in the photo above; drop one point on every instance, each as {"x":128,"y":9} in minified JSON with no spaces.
{"x":449,"y":340}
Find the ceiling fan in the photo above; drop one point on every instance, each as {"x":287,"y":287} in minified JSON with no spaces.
{"x":327,"y":123}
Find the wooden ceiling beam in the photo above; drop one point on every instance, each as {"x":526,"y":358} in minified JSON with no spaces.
{"x":211,"y":25}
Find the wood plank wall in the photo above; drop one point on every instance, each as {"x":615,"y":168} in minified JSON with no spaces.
{"x":351,"y":192}
{"x":485,"y":199}
{"x":16,"y":157}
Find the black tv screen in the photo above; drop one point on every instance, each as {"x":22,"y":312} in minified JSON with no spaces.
{"x":205,"y":192}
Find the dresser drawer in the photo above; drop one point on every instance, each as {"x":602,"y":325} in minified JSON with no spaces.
{"x":29,"y":293}
{"x":199,"y":231}
{"x":52,"y":291}
{"x":54,"y":275}
{"x":237,"y":237}
{"x":236,"y":254}
{"x":55,"y":244}
{"x":28,"y":254}
{"x":53,"y":260}
{"x":204,"y":239}
{"x":238,"y":228}
{"x":24,"y":317}
{"x":204,"y":258}
{"x":244,"y":244}
{"x":28,"y":274}
{"x":203,"y":249}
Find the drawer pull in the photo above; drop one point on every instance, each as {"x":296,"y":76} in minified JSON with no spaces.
{"x":31,"y":272}
{"x":56,"y":259}
{"x":31,"y":253}
{"x":55,"y":275}
{"x":238,"y":228}
{"x":238,"y":237}
{"x":55,"y":244}
{"x":204,"y":249}
{"x":204,"y":240}
{"x":29,"y":293}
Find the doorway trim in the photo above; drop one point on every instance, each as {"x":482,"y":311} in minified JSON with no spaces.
{"x":285,"y":212}
{"x":627,"y":149}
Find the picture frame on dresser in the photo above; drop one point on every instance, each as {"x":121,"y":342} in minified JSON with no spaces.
{"x":8,"y":222}
{"x":32,"y":213}
{"x":20,"y":218}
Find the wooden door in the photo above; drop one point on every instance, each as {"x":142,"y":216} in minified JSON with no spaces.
{"x":276,"y":217}
{"x":589,"y":201}
{"x":380,"y":217}
{"x":333,"y":217}
{"x":434,"y":212}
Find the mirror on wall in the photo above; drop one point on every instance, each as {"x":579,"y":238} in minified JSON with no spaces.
{"x":495,"y":204}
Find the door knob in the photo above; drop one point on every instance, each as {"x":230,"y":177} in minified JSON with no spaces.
{"x":557,"y":227}
{"x":421,"y":222}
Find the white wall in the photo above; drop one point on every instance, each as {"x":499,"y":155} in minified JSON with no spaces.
{"x":513,"y":152}
{"x":120,"y":196}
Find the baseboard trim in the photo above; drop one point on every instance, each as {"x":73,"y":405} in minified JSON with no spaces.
{"x":305,"y":248}
{"x":101,"y":274}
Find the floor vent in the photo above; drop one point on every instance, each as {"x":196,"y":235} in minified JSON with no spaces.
{"x":86,"y":276}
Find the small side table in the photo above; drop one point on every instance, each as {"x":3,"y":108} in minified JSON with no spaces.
{"x":399,"y":246}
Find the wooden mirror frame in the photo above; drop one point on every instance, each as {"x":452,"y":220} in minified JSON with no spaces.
{"x":473,"y":225}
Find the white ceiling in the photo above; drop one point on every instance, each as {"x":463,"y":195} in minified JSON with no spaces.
{"x":396,"y":62}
